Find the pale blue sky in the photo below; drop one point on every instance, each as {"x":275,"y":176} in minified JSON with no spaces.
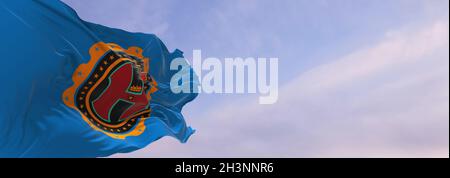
{"x":357,"y":78}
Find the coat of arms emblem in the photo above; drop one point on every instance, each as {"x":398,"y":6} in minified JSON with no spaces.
{"x":112,"y":91}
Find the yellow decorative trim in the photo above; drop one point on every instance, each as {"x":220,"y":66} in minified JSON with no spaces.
{"x":82,"y":73}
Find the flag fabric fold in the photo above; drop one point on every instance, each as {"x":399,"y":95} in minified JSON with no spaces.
{"x":71,"y":88}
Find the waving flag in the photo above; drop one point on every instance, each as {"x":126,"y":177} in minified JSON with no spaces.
{"x":71,"y":88}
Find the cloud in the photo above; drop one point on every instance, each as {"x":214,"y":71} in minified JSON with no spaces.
{"x":387,"y":100}
{"x":136,"y":16}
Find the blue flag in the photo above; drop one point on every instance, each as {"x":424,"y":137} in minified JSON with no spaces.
{"x":71,"y":88}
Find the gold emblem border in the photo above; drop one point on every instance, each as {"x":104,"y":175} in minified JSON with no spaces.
{"x":82,"y":72}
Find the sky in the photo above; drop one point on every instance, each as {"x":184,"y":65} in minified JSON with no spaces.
{"x":357,"y":78}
